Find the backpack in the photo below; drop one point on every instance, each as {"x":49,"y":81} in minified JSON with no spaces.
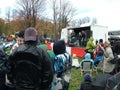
{"x":26,"y":72}
{"x":61,"y":63}
{"x":86,"y":86}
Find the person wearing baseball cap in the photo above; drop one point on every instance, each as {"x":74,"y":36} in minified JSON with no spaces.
{"x":42,"y":77}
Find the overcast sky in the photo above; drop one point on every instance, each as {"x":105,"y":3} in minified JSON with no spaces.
{"x":105,"y":11}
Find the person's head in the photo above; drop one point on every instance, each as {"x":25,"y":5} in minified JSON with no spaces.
{"x":87,"y":77}
{"x":59,"y":47}
{"x":100,"y":40}
{"x":20,"y":38}
{"x":30,"y":35}
{"x":80,"y":33}
{"x":91,"y":39}
{"x":87,"y":56}
{"x":21,"y":33}
{"x":107,"y":43}
{"x":96,"y":42}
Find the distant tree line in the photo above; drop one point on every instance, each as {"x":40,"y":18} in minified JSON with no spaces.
{"x":33,"y":13}
{"x":87,"y":19}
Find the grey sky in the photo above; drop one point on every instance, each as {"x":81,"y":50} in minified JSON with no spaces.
{"x":106,"y":11}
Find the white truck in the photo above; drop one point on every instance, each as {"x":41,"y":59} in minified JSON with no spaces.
{"x":96,"y":31}
{"x":114,"y":37}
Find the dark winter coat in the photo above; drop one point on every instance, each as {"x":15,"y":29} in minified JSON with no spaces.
{"x":100,"y":81}
{"x":113,"y":82}
{"x":59,"y":49}
{"x":45,"y":66}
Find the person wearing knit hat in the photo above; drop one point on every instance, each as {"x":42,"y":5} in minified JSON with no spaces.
{"x":37,"y":68}
{"x":87,"y":77}
{"x":62,"y":66}
{"x":59,"y":47}
{"x":87,"y":83}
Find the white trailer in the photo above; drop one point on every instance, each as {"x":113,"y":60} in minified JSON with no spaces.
{"x":96,"y":31}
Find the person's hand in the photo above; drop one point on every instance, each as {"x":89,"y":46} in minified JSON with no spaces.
{"x":102,"y":48}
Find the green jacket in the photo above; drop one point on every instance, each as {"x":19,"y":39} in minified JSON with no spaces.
{"x":90,"y":45}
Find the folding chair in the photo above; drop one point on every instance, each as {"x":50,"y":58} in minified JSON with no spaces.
{"x":86,"y":66}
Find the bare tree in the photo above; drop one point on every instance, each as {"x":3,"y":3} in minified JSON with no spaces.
{"x":8,"y":17}
{"x":30,"y":10}
{"x":66,"y":13}
{"x":8,"y":14}
{"x":14,"y":14}
{"x":62,"y":14}
{"x":55,"y":8}
{"x":76,"y":22}
{"x":94,"y":21}
{"x":0,"y":12}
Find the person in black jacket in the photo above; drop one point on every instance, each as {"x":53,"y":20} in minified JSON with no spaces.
{"x":113,"y":83}
{"x":3,"y":59}
{"x":87,"y":84}
{"x":44,"y":66}
{"x":106,"y":81}
{"x":62,"y":69}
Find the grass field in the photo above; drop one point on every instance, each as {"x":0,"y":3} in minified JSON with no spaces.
{"x":76,"y":79}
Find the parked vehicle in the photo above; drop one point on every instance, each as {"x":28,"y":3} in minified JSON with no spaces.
{"x":114,"y":38}
{"x":71,"y":34}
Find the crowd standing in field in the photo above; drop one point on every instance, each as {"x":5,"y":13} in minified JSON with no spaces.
{"x":53,"y":75}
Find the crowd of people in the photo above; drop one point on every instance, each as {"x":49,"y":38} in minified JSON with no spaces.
{"x":29,"y":67}
{"x":101,"y":51}
{"x":77,"y":39}
{"x":111,"y":66}
{"x":105,"y":81}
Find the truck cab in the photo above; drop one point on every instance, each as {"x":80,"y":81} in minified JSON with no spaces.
{"x":114,"y":38}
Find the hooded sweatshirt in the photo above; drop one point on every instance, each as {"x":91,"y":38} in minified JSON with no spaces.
{"x":59,"y":47}
{"x":90,"y":45}
{"x":87,"y":58}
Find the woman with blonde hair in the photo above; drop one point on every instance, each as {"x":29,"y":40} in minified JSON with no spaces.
{"x":108,"y":55}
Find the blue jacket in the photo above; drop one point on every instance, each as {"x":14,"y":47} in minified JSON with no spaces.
{"x":97,"y":59}
{"x":87,"y":58}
